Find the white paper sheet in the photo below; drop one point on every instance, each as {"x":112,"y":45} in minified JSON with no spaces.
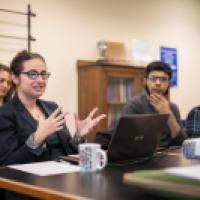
{"x":188,"y":172}
{"x":46,"y":168}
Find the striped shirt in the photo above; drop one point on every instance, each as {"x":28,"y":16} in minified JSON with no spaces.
{"x":193,"y":122}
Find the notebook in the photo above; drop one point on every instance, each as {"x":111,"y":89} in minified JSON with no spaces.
{"x":136,"y":137}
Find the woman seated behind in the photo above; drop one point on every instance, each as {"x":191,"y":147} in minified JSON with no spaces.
{"x":5,"y":84}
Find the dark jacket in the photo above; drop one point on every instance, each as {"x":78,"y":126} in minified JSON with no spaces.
{"x":16,"y":124}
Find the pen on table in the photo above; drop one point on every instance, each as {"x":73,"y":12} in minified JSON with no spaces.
{"x":62,"y":161}
{"x":67,"y":161}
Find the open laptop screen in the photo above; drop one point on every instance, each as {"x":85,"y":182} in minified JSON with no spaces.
{"x":136,"y":136}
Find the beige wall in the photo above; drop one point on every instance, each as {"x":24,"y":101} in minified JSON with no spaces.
{"x":67,"y":30}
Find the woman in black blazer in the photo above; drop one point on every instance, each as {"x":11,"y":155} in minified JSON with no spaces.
{"x":31,"y":129}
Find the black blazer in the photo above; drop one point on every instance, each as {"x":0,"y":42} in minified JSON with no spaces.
{"x":16,"y":124}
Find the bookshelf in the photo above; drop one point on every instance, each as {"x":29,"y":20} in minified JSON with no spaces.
{"x":108,"y":86}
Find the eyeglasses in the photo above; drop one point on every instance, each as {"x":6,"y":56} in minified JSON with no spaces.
{"x":33,"y":75}
{"x":162,"y":79}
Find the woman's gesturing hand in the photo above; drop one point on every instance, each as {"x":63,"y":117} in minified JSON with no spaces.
{"x":86,"y":125}
{"x":50,"y":125}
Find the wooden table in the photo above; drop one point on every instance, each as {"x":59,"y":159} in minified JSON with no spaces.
{"x":103,"y":185}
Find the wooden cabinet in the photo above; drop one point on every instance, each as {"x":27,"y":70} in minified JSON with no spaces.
{"x":108,"y":86}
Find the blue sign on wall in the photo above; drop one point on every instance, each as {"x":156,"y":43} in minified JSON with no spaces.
{"x":169,"y":56}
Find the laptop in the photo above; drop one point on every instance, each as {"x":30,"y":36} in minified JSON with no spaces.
{"x":136,"y":137}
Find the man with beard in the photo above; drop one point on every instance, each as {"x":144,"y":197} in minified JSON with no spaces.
{"x":154,"y":99}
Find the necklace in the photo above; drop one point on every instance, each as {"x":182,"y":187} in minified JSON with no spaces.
{"x":36,"y":113}
{"x":1,"y":102}
{"x":37,"y":116}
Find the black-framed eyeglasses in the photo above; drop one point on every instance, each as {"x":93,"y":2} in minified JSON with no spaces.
{"x":33,"y":75}
{"x":162,"y":79}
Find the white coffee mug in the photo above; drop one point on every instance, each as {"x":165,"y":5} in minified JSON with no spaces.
{"x":92,"y":158}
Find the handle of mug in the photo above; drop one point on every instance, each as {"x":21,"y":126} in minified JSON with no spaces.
{"x":102,"y":159}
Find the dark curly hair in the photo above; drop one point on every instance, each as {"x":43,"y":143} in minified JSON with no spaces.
{"x":16,"y":65}
{"x":158,"y":66}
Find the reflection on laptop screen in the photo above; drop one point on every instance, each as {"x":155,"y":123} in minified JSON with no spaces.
{"x":136,"y":136}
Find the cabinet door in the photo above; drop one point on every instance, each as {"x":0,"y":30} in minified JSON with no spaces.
{"x":119,"y":92}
